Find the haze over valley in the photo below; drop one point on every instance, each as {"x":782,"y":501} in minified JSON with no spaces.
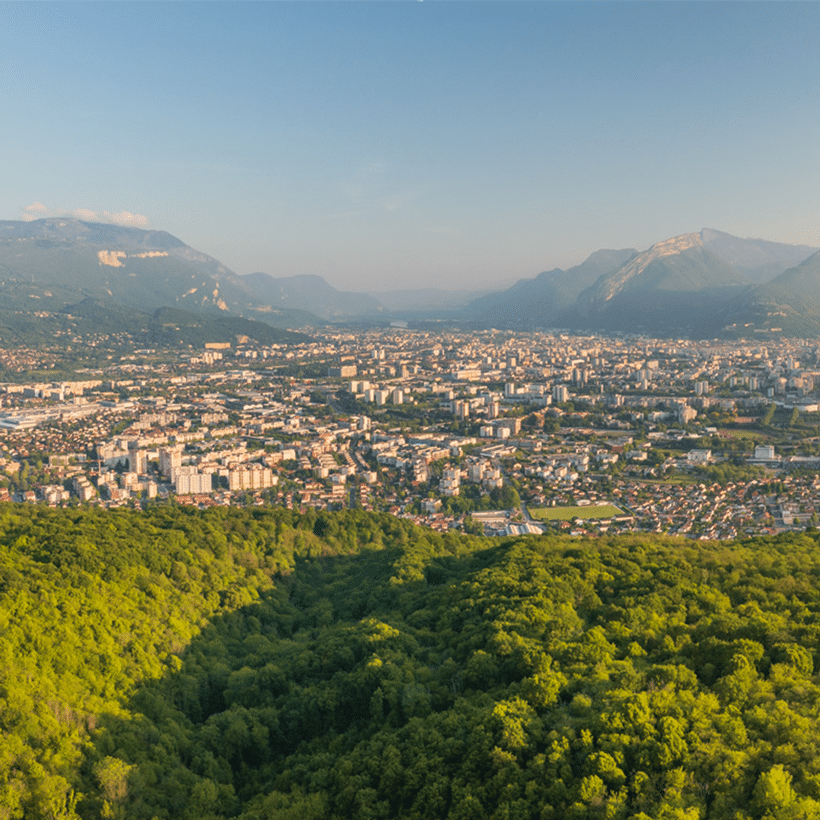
{"x":709,"y":284}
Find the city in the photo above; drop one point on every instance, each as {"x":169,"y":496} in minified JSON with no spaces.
{"x":491,"y":432}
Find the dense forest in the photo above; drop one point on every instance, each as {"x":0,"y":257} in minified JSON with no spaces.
{"x":262,"y":664}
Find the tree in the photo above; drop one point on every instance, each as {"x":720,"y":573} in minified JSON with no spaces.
{"x":505,"y":497}
{"x":551,"y":424}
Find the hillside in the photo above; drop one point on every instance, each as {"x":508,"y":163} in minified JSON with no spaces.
{"x":37,"y":317}
{"x":695,"y":284}
{"x":759,"y":260}
{"x":799,"y":285}
{"x":789,"y":304}
{"x":173,"y":326}
{"x":48,"y":267}
{"x":136,"y":268}
{"x":544,"y":299}
{"x":675,"y":286}
{"x":261,"y":664}
{"x":310,"y":293}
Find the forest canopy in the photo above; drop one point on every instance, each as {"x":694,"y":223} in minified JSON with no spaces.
{"x":260,"y":664}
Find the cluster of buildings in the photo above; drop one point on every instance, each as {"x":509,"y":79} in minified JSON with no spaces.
{"x":429,"y":425}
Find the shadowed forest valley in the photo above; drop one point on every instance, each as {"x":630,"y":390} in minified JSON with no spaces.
{"x":261,"y":664}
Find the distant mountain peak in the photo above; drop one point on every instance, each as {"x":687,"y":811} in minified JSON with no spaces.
{"x":635,"y":267}
{"x":677,"y":244}
{"x":542,"y":301}
{"x":690,"y":283}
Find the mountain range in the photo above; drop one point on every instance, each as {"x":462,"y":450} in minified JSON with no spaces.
{"x":135,"y":268}
{"x":312,"y":293}
{"x":549,"y":293}
{"x":63,"y":276}
{"x":702,"y":284}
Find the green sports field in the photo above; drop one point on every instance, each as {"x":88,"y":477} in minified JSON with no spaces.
{"x":567,"y":513}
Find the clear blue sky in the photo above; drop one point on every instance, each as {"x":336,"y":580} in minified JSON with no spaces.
{"x":413,"y":144}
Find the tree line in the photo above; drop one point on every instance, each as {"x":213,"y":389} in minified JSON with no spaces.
{"x":260,"y":664}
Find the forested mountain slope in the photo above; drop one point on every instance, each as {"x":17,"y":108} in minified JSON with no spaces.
{"x":261,"y":664}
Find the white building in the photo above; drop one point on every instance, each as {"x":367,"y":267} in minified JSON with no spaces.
{"x":252,"y":477}
{"x":560,"y":393}
{"x":764,"y":452}
{"x":189,"y":481}
{"x":170,"y":460}
{"x":450,"y":483}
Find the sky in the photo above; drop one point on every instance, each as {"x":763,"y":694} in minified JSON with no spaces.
{"x":414,"y":144}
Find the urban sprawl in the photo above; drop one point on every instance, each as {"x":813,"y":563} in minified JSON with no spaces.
{"x":491,"y":432}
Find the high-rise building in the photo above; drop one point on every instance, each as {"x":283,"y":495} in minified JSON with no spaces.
{"x":560,"y":393}
{"x":450,"y":483}
{"x":461,"y":409}
{"x":170,"y":460}
{"x":138,"y":461}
